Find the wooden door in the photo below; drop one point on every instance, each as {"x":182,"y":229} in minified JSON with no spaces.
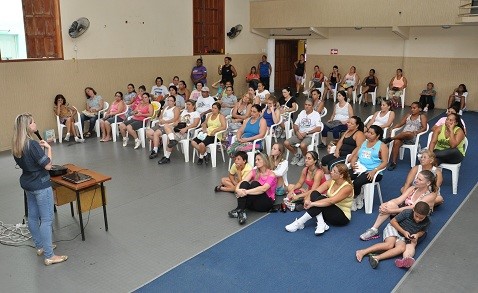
{"x":286,"y":55}
{"x":208,"y":27}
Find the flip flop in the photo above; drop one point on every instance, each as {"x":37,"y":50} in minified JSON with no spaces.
{"x":217,"y":188}
{"x":88,"y":134}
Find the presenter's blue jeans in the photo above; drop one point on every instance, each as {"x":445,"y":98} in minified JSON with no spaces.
{"x":40,"y":217}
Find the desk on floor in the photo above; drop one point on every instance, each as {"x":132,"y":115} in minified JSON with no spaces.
{"x":84,"y":193}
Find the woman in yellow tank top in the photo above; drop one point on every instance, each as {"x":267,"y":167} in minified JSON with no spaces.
{"x":214,"y":123}
{"x":448,"y":141}
{"x":333,"y":208}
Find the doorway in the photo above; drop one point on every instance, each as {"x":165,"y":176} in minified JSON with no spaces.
{"x":286,"y":53}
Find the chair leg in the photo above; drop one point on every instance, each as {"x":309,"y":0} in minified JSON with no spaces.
{"x":413,"y":157}
{"x":213,"y":149}
{"x":185,"y":146}
{"x":114,"y":131}
{"x":454,"y":179}
{"x":60,"y":133}
{"x":368,"y":190}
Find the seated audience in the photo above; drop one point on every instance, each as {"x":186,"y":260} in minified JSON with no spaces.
{"x":158,"y":91}
{"x":368,"y":86}
{"x":395,"y":88}
{"x":196,"y":93}
{"x":424,"y":189}
{"x":332,"y":208}
{"x":183,"y":91}
{"x":141,"y":112}
{"x":261,"y":95}
{"x":312,"y":176}
{"x":118,"y":106}
{"x":338,"y":120}
{"x":350,"y":82}
{"x":288,"y":104}
{"x":256,"y":191}
{"x":334,"y":78}
{"x":317,"y":78}
{"x":453,"y":109}
{"x":94,"y":103}
{"x":427,"y":97}
{"x":178,"y":130}
{"x":67,"y":114}
{"x":318,"y":102}
{"x":173,"y":92}
{"x":279,"y":165}
{"x":400,"y":236}
{"x":383,"y":118}
{"x":238,"y":170}
{"x":458,"y":97}
{"x":228,"y":101}
{"x":448,"y":141}
{"x":415,"y":123}
{"x":351,"y":139}
{"x":214,"y":123}
{"x":306,"y":124}
{"x":253,"y":77}
{"x":204,"y":103}
{"x":271,"y":111}
{"x":175,"y":81}
{"x":130,"y":94}
{"x":240,"y":112}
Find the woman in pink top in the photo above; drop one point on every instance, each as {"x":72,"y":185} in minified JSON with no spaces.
{"x":256,"y":191}
{"x":396,"y":86}
{"x":312,"y":175}
{"x":424,"y":188}
{"x":118,"y":106}
{"x":142,"y":111}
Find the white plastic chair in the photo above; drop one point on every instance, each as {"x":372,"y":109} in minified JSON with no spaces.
{"x":251,"y":153}
{"x":184,"y":143}
{"x":106,"y":105}
{"x":271,"y":134}
{"x":402,"y":96}
{"x":212,"y":147}
{"x":115,"y":124}
{"x":334,"y":92}
{"x":373,"y":95}
{"x":313,"y":144}
{"x":60,"y":126}
{"x":412,"y":147}
{"x":288,"y":124}
{"x":369,"y":190}
{"x":454,"y":168}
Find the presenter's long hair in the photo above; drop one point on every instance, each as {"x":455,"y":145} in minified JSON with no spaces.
{"x":21,"y":134}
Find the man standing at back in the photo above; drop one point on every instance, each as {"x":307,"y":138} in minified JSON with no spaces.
{"x":265,"y":70}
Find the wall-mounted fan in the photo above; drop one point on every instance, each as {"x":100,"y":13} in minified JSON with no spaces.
{"x":79,"y":27}
{"x":235,"y":31}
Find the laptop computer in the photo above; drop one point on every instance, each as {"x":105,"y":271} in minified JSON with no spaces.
{"x":76,"y":177}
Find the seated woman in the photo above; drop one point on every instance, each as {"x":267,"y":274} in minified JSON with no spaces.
{"x":169,"y":115}
{"x":240,"y":112}
{"x":427,"y":97}
{"x":453,"y":109}
{"x":368,"y":86}
{"x":271,"y":111}
{"x":332,"y":208}
{"x":334,"y":78}
{"x":137,"y":99}
{"x":319,"y":103}
{"x":448,"y":141}
{"x":395,"y":88}
{"x":67,"y":117}
{"x":288,"y":104}
{"x":253,"y":77}
{"x":317,"y":78}
{"x":261,"y":95}
{"x":142,"y":111}
{"x":415,"y":123}
{"x":338,"y":120}
{"x":196,"y":93}
{"x":312,"y":176}
{"x":256,"y":191}
{"x":369,"y":158}
{"x":238,"y":170}
{"x":253,"y":128}
{"x":214,"y":123}
{"x":184,"y":92}
{"x":130,"y":94}
{"x":178,"y":130}
{"x":94,"y":103}
{"x":383,"y":118}
{"x":427,"y":162}
{"x":158,"y":91}
{"x":351,"y":139}
{"x":228,"y":101}
{"x":350,"y":82}
{"x":279,"y":165}
{"x":458,"y":97}
{"x":424,"y":189}
{"x":118,"y":106}
{"x":180,"y":101}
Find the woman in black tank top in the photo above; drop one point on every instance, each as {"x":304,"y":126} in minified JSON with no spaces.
{"x":227,"y":71}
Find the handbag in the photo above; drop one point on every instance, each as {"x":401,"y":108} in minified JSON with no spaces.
{"x":88,"y":113}
{"x":333,"y":123}
{"x":180,"y":126}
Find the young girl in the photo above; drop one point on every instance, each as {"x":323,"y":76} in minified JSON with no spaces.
{"x":279,"y":166}
{"x":238,"y":170}
{"x":312,"y":176}
{"x":427,"y":97}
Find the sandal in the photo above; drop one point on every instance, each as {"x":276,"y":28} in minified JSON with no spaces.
{"x":217,"y":188}
{"x":51,"y":261}
{"x":88,"y":134}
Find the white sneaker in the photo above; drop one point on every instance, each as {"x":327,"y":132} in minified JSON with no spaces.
{"x":359,"y":201}
{"x":296,"y":225}
{"x":425,"y":109}
{"x":77,"y":139}
{"x":67,"y":137}
{"x":282,"y":134}
{"x":137,"y":143}
{"x":320,"y":229}
{"x":301,"y":162}
{"x":295,"y":159}
{"x":354,"y":206}
{"x":125,"y":141}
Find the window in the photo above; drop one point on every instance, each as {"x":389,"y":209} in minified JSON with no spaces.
{"x":31,"y":30}
{"x":208,"y":27}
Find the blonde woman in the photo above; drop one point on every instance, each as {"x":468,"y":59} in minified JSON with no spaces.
{"x":279,"y":166}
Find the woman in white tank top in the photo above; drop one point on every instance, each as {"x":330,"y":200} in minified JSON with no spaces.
{"x":383,"y":118}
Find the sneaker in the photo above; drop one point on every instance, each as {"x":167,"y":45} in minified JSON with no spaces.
{"x":425,"y":109}
{"x":392,"y":166}
{"x":241,"y":217}
{"x":125,"y":141}
{"x":387,"y":140}
{"x":77,"y":139}
{"x":301,"y":162}
{"x":373,"y":261}
{"x":320,"y":229}
{"x":164,"y":160}
{"x":295,"y":159}
{"x":359,"y":201}
{"x":405,"y":262}
{"x":359,"y":95}
{"x":137,"y":143}
{"x":354,"y":206}
{"x":200,"y":161}
{"x":172,"y":143}
{"x":153,"y":154}
{"x":67,"y":137}
{"x":234,"y":213}
{"x":296,"y":225}
{"x":322,"y":146}
{"x":370,"y":234}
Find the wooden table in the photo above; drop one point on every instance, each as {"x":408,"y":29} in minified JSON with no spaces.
{"x":96,"y":182}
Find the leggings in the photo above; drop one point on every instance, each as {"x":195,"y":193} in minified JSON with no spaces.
{"x":360,"y":180}
{"x":330,"y":160}
{"x":258,"y":202}
{"x":449,"y":156}
{"x":332,"y":214}
{"x":335,"y":131}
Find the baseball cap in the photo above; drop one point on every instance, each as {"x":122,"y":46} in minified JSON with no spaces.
{"x":204,"y":89}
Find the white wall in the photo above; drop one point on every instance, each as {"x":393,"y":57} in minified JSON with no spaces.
{"x":11,"y":23}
